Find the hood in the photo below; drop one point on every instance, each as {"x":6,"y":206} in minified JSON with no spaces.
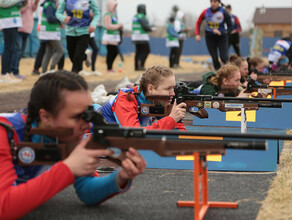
{"x":206,"y":76}
{"x":141,"y":8}
{"x":180,"y":15}
{"x":111,"y":6}
{"x":42,"y":4}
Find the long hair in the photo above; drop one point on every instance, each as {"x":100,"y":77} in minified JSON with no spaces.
{"x":225,"y":72}
{"x":47,"y":94}
{"x":154,"y":75}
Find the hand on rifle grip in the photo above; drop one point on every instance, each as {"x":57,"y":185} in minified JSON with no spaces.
{"x":82,"y":161}
{"x":178,"y":111}
{"x":132,"y":165}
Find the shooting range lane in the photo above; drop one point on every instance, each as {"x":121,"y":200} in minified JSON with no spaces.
{"x":154,"y":196}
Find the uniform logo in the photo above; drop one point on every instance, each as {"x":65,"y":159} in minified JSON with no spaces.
{"x":207,"y":104}
{"x":200,"y":105}
{"x":216,"y":105}
{"x":145,"y":110}
{"x":26,"y":155}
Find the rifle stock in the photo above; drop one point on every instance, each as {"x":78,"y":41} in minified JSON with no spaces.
{"x":252,"y":86}
{"x":111,"y":136}
{"x":276,"y":76}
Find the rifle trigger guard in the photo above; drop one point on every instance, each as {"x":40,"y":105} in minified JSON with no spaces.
{"x":201,"y":113}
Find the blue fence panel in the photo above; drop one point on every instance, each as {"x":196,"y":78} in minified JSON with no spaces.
{"x":191,"y":46}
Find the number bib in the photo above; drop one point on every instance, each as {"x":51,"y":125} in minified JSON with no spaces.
{"x":215,"y":20}
{"x":78,"y":10}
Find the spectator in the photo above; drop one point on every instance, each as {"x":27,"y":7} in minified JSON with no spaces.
{"x":23,"y":33}
{"x":140,"y":36}
{"x":234,"y":37}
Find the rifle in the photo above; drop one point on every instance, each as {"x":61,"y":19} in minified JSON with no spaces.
{"x":275,"y":76}
{"x":252,"y":86}
{"x":164,"y":143}
{"x":201,"y":102}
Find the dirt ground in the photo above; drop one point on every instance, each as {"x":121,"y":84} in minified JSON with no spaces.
{"x":14,"y":96}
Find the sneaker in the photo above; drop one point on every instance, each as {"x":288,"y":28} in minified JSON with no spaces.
{"x":84,"y":73}
{"x":111,"y":71}
{"x":88,"y":53}
{"x":35,"y":72}
{"x":9,"y":78}
{"x":96,"y":73}
{"x":19,"y":76}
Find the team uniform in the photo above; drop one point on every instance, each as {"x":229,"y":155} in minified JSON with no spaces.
{"x":22,"y":189}
{"x":50,"y":32}
{"x":77,"y":35}
{"x":111,"y":38}
{"x":10,"y":21}
{"x":123,"y":111}
{"x":234,"y":39}
{"x":172,"y":42}
{"x":281,"y":48}
{"x":180,"y":28}
{"x":140,"y":37}
{"x":216,"y":19}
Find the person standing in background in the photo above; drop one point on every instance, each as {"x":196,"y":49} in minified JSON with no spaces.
{"x":172,"y":42}
{"x":78,"y":27}
{"x":180,"y":28}
{"x":111,"y":35}
{"x":51,"y":33}
{"x":10,"y":21}
{"x":23,"y":32}
{"x":140,"y":36}
{"x":234,"y":37}
{"x":216,"y":34}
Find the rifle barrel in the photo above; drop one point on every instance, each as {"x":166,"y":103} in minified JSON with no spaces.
{"x":142,"y":132}
{"x":222,"y":134}
{"x":211,"y":98}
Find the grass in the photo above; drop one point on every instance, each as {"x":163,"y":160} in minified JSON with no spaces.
{"x":278,"y":203}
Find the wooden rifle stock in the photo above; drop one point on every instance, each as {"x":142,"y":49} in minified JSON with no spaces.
{"x":28,"y":154}
{"x":252,"y":86}
{"x":276,"y":76}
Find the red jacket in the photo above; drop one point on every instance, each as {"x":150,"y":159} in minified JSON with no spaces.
{"x":126,"y":112}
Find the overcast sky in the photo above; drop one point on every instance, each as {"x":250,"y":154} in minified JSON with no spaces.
{"x":158,"y":10}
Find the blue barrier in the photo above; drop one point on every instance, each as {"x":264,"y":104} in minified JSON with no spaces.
{"x":191,"y":47}
{"x":273,"y":118}
{"x":233,"y":160}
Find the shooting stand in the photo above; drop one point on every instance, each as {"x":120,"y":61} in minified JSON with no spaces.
{"x":201,"y":203}
{"x":243,"y":120}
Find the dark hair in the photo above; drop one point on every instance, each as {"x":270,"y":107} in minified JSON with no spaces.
{"x":236,"y":60}
{"x":171,"y":19}
{"x":47,"y":93}
{"x":228,"y":7}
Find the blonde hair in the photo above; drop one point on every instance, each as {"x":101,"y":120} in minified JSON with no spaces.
{"x":153,"y":75}
{"x":225,"y":72}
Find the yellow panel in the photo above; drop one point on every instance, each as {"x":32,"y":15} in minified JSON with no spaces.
{"x":234,"y":116}
{"x":277,"y":83}
{"x":217,"y":158}
{"x":200,"y":137}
